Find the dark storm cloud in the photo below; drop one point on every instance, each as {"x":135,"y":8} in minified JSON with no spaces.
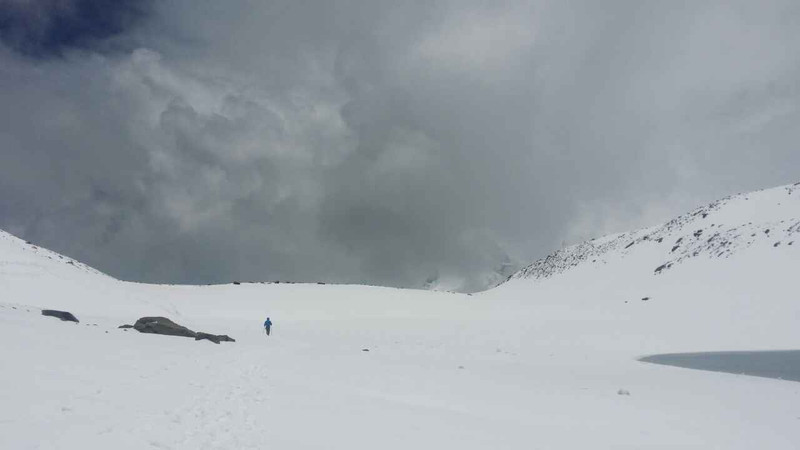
{"x":391,"y":142}
{"x":49,"y":27}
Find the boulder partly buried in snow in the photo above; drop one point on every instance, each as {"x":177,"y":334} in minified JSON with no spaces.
{"x":215,"y":338}
{"x":162,"y":325}
{"x":63,"y":315}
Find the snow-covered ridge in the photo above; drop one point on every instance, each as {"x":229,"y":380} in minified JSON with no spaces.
{"x":718,"y":230}
{"x":19,"y":257}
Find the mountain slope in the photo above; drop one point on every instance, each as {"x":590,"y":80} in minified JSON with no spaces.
{"x":722,"y":277}
{"x":721,"y":229}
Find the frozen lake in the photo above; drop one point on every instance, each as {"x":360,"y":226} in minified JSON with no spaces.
{"x":780,"y":364}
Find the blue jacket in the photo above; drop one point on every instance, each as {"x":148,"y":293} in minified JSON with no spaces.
{"x":267,"y":323}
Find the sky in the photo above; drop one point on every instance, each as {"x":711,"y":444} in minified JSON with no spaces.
{"x":380,"y":142}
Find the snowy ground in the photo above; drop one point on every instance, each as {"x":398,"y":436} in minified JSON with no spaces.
{"x":549,"y":363}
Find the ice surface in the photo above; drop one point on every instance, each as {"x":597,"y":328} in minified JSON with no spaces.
{"x":780,"y":364}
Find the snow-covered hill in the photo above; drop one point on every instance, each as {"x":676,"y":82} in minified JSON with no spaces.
{"x":722,"y":277}
{"x":721,"y":229}
{"x":543,"y":361}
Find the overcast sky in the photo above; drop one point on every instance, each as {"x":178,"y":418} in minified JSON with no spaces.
{"x":380,"y":142}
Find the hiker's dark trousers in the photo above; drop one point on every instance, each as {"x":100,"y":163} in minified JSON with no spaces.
{"x":267,"y":330}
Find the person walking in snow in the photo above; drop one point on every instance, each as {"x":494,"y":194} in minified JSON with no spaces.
{"x":267,"y":325}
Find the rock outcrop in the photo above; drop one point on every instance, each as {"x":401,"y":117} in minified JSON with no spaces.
{"x":63,"y":315}
{"x":215,"y":338}
{"x":162,"y":325}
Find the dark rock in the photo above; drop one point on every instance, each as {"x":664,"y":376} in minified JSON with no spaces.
{"x":209,"y":337}
{"x":644,"y":299}
{"x":125,"y":326}
{"x":660,"y":268}
{"x":660,"y":240}
{"x":630,"y":244}
{"x":237,"y":283}
{"x":162,"y":325}
{"x":776,"y":244}
{"x":213,"y":337}
{"x":698,"y":233}
{"x":675,"y":248}
{"x":63,"y":315}
{"x":364,"y":349}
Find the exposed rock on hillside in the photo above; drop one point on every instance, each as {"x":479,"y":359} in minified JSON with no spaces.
{"x":215,"y":338}
{"x":162,"y":325}
{"x":63,"y":315}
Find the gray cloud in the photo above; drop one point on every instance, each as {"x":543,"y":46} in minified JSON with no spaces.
{"x":42,"y":28}
{"x":374,"y":142}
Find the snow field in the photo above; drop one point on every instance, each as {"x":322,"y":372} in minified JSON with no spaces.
{"x":531,"y":364}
